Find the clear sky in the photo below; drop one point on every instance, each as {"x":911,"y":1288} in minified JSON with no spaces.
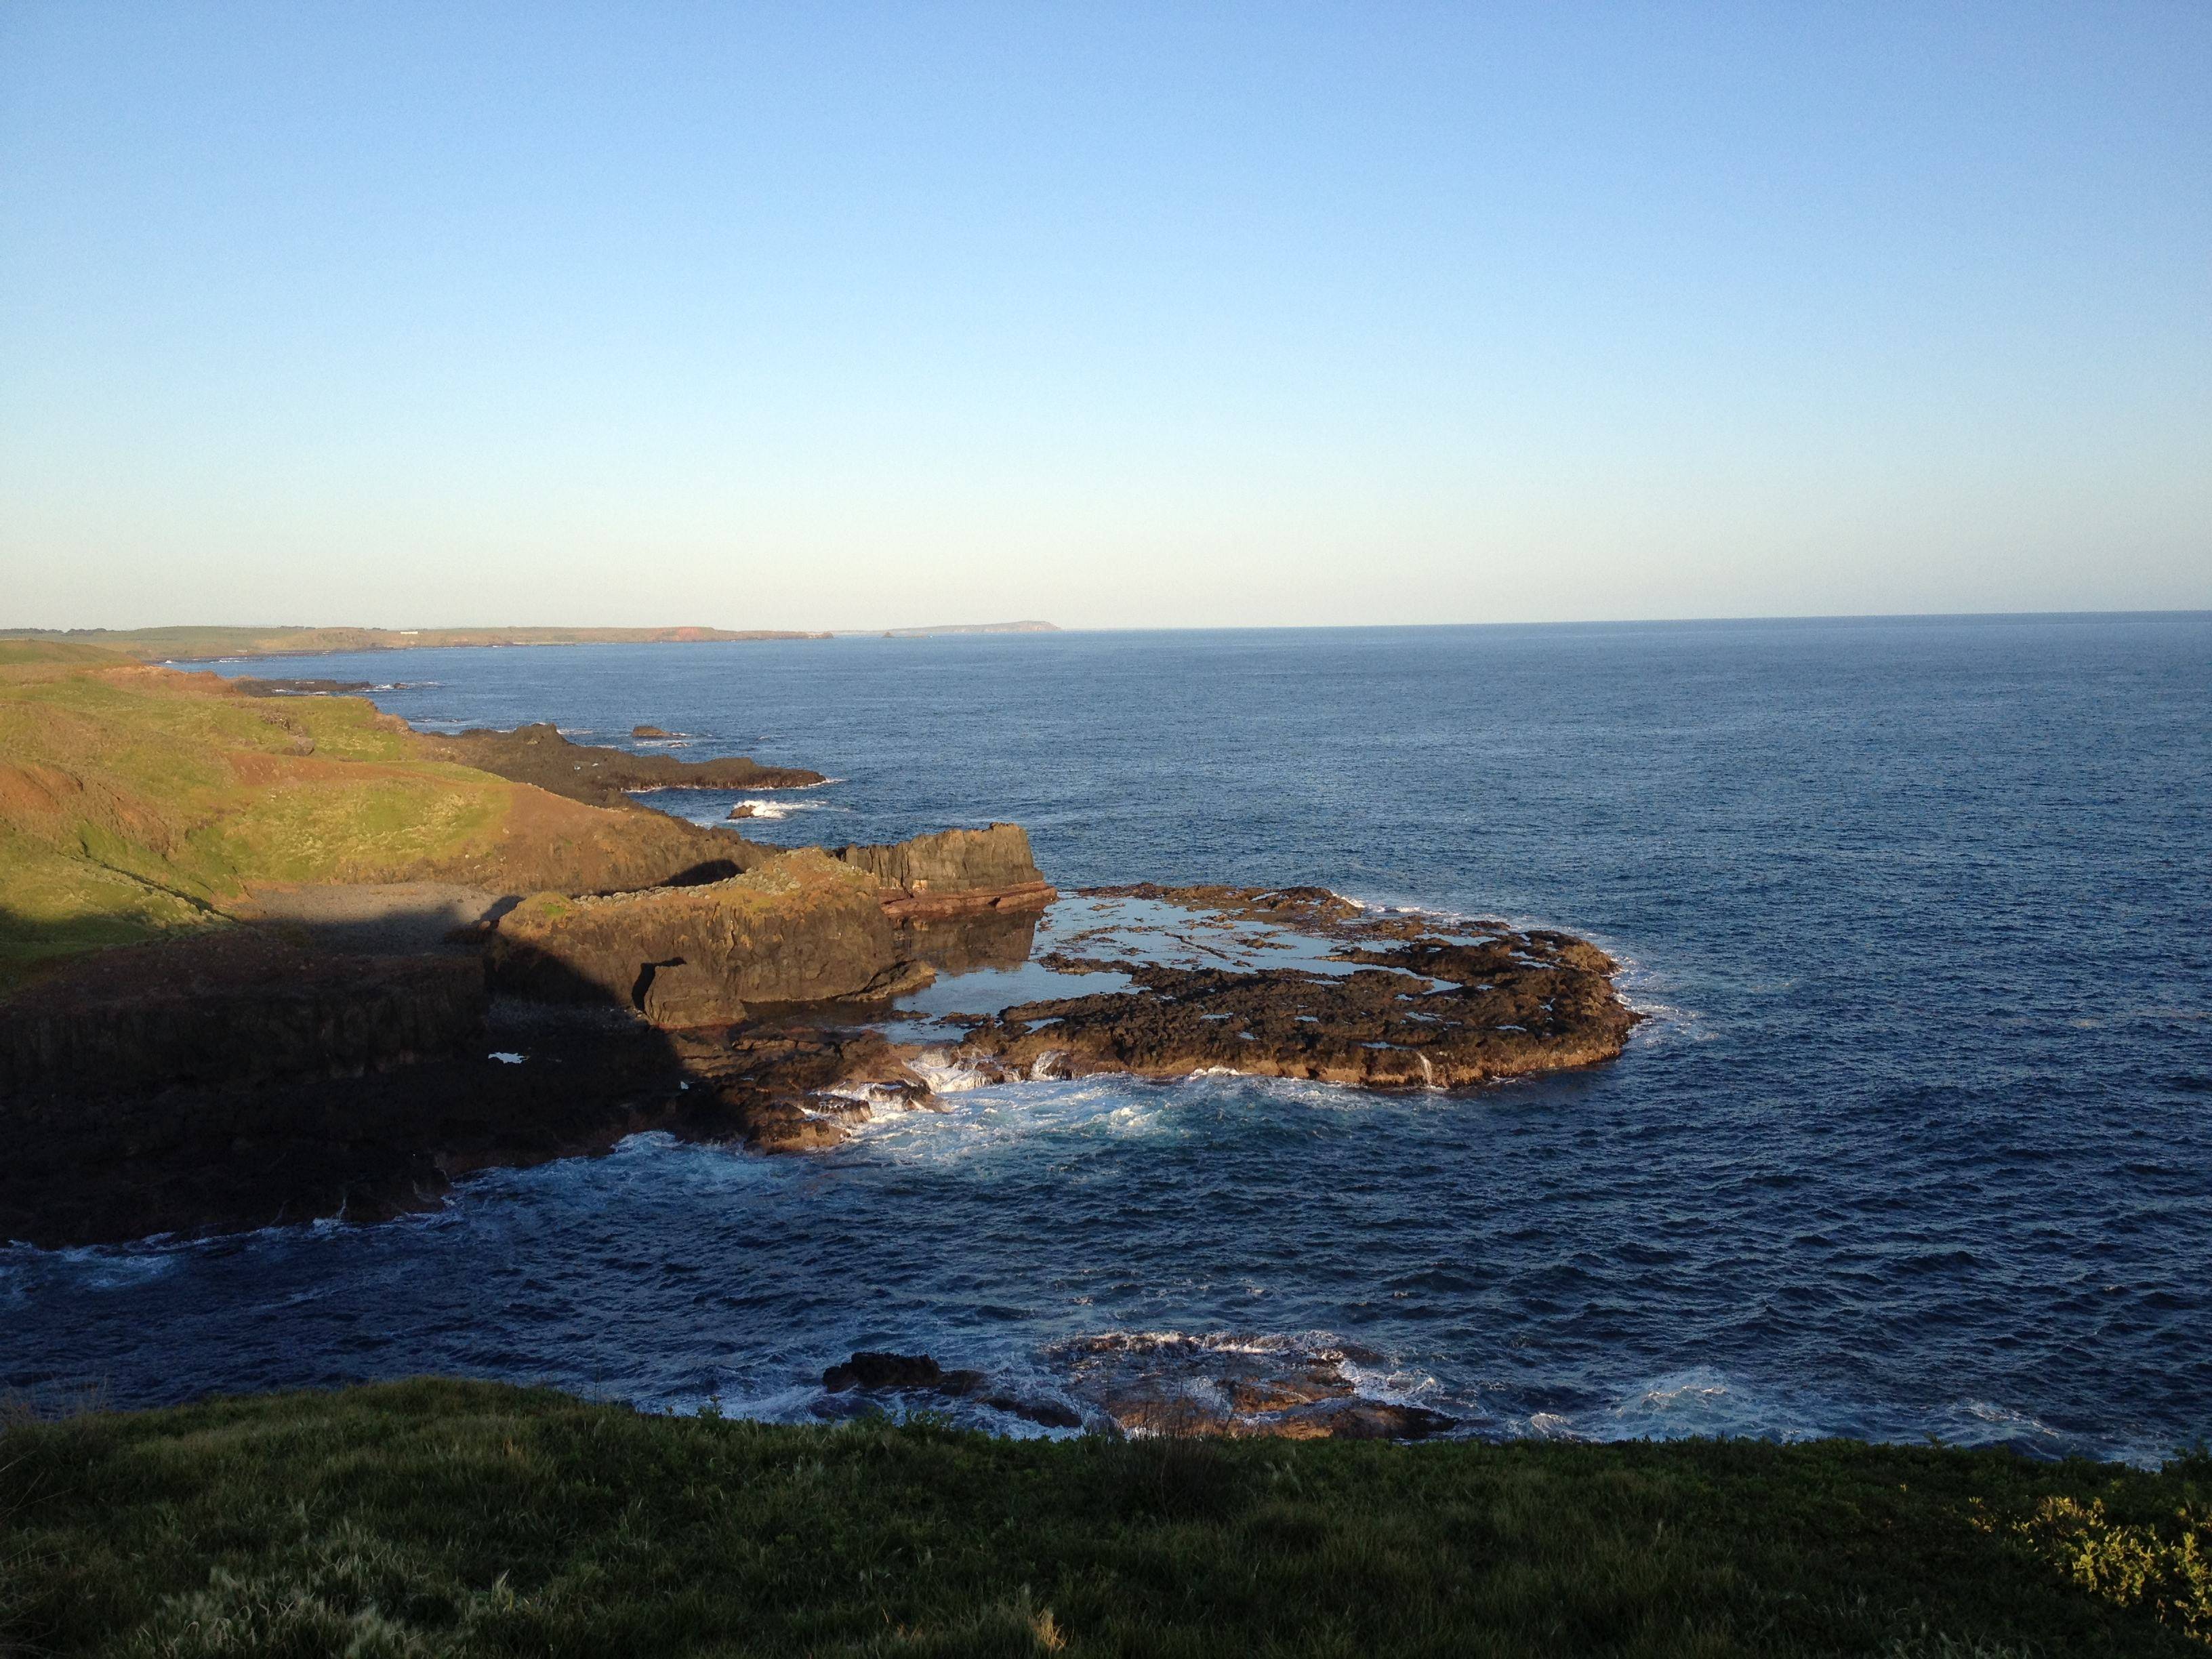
{"x":838,"y":315}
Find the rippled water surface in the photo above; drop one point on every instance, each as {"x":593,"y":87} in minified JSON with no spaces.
{"x":1919,"y":1142}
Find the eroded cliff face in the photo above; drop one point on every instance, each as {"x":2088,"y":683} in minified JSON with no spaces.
{"x":954,"y":871}
{"x":802,"y":928}
{"x":235,"y":1008}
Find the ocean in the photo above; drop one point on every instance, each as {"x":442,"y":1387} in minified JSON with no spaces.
{"x":1918,"y":1140}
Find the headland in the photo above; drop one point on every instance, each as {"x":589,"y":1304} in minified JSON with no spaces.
{"x":267,"y":954}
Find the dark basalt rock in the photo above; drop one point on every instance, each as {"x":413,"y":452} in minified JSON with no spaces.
{"x":885,"y":1371}
{"x":234,"y":1005}
{"x":899,"y":1373}
{"x":539,"y":755}
{"x":1441,"y":1013}
{"x":89,"y":1163}
{"x":1185,"y":1387}
{"x":770,"y":1085}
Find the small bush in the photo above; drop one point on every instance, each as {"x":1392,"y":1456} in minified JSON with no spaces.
{"x":2168,"y":1569}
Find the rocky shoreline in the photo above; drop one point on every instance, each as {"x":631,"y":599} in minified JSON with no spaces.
{"x":244,"y":1079}
{"x":592,"y":968}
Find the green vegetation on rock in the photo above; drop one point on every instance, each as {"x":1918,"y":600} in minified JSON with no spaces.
{"x":434,"y":1518}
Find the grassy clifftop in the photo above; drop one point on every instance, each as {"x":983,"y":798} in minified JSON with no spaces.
{"x":136,"y":801}
{"x":462,"y":1518}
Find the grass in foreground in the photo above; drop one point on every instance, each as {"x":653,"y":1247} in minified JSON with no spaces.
{"x":435,"y":1517}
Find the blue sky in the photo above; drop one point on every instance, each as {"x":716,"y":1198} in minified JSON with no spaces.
{"x":835,"y":315}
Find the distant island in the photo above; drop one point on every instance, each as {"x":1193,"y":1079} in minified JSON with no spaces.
{"x":971,"y":627}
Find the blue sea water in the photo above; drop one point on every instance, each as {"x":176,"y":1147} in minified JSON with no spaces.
{"x":1918,"y":1140}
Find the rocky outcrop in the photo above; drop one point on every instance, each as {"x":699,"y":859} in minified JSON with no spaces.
{"x":245,"y":686}
{"x":1238,"y":1388}
{"x":802,"y":928}
{"x":954,"y":872}
{"x":917,"y":1374}
{"x":1168,"y":1385}
{"x":546,"y":843}
{"x":796,"y":1089}
{"x":539,"y":755}
{"x":85,"y":1166}
{"x":232,"y":1007}
{"x":1411,"y":1008}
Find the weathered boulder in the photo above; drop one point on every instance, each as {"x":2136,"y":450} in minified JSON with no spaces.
{"x":800,"y":928}
{"x":953,"y":871}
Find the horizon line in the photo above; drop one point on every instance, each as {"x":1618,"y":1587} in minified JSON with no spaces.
{"x":1032,"y":629}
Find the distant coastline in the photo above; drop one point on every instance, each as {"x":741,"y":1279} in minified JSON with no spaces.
{"x":202,"y":644}
{"x":962,"y":627}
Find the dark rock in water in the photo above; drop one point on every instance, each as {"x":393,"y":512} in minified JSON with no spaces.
{"x":774,"y":1088}
{"x":248,"y":687}
{"x":953,"y":871}
{"x":1416,"y":1009}
{"x":899,"y":1373}
{"x":1183,"y":1387}
{"x":884,"y":1370}
{"x":649,"y":731}
{"x":743,"y":808}
{"x":603,"y":777}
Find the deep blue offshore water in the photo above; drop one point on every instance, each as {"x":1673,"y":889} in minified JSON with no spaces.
{"x":1918,"y":1142}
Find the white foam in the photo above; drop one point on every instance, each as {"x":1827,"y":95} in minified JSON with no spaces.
{"x":770,"y":808}
{"x":948,"y":1073}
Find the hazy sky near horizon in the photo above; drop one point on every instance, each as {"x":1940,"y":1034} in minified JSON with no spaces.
{"x":854,"y":315}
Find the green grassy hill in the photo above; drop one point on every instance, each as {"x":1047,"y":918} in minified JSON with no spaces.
{"x":460,"y":1518}
{"x":137,"y":801}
